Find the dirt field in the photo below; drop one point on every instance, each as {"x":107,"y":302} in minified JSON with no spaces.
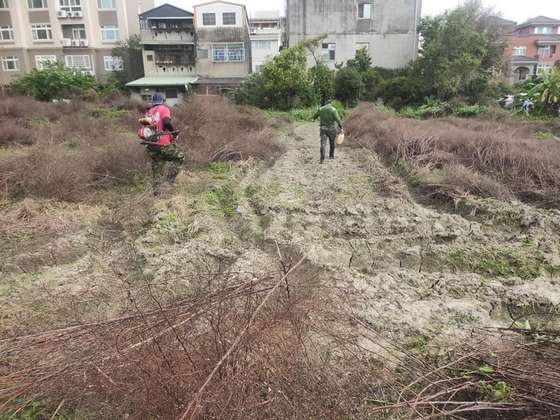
{"x":393,"y":273}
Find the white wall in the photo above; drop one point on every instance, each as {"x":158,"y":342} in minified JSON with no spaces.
{"x":219,"y":8}
{"x":260,"y":56}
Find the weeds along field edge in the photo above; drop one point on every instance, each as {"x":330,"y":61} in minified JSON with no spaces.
{"x":66,"y":151}
{"x":454,"y":156}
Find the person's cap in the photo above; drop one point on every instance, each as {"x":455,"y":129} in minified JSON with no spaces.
{"x":157,"y":99}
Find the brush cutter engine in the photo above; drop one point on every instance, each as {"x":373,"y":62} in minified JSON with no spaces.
{"x":148,"y":134}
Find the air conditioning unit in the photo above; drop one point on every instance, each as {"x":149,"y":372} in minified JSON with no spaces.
{"x":77,"y":14}
{"x":62,"y":14}
{"x":75,"y":42}
{"x":84,"y":43}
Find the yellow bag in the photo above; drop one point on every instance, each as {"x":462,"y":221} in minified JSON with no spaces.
{"x":340,"y":138}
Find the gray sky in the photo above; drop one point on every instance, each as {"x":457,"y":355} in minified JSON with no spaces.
{"x":518,"y":10}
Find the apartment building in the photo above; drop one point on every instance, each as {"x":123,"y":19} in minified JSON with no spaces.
{"x":266,"y":36}
{"x":387,"y":28}
{"x":223,"y":46}
{"x":168,"y":38}
{"x":533,"y":47}
{"x":79,"y":33}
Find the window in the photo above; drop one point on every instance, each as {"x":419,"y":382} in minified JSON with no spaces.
{"x":171,"y":93}
{"x":263,"y":45}
{"x":236,"y":53}
{"x":106,"y":4}
{"x":328,"y":53}
{"x":362,"y":46}
{"x":112,"y":63}
{"x":6,"y":33}
{"x":10,"y":63}
{"x":80,"y":62}
{"x":543,"y":30}
{"x":258,"y":68}
{"x":545,"y":51}
{"x":365,"y":11}
{"x":229,"y":18}
{"x":4,"y":4}
{"x":37,"y":4}
{"x":150,"y":57}
{"x":219,"y":53}
{"x":519,"y":51}
{"x":233,"y":53}
{"x":544,"y":68}
{"x":79,"y":32}
{"x":209,"y":19}
{"x":41,"y":61}
{"x":110,"y":33}
{"x":202,"y":53}
{"x":41,"y":31}
{"x":70,"y":5}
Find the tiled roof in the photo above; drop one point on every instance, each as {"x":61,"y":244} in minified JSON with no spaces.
{"x":166,"y":11}
{"x":539,"y":20}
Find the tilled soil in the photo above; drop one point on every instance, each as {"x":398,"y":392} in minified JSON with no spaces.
{"x":415,"y":273}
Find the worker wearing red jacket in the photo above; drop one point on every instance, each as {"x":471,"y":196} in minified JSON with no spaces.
{"x":159,"y":137}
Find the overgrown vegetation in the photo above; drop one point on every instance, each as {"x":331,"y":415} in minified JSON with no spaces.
{"x":55,"y":82}
{"x":73,"y":149}
{"x":453,"y":156}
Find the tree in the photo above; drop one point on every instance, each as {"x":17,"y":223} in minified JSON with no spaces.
{"x":54,"y":82}
{"x":459,"y":52}
{"x":547,"y":92}
{"x":130,"y":52}
{"x":323,"y":81}
{"x":349,"y":85}
{"x":282,"y":83}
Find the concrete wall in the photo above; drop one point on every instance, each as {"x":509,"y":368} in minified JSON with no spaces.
{"x":260,"y":55}
{"x":391,"y":32}
{"x":218,"y":9}
{"x":220,"y":34}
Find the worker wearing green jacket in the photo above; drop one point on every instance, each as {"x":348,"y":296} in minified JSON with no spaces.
{"x":329,"y":119}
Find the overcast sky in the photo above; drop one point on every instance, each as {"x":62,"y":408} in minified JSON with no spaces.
{"x":518,"y":10}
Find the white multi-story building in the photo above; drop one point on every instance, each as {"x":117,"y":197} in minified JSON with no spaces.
{"x":79,"y":33}
{"x":266,"y":36}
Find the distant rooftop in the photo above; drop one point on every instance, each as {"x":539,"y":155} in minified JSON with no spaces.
{"x":539,"y":20}
{"x":265,"y":15}
{"x":166,"y":11}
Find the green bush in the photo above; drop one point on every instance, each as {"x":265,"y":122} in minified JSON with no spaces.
{"x":349,"y":85}
{"x":323,"y":81}
{"x":283,"y":83}
{"x":54,"y":82}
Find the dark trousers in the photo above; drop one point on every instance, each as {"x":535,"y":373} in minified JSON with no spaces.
{"x":328,"y":134}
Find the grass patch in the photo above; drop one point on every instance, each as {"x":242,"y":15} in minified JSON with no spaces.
{"x":222,"y":200}
{"x":495,"y":263}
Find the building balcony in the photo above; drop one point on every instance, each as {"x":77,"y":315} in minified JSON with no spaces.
{"x":265,"y":31}
{"x":69,"y":14}
{"x":168,"y":37}
{"x":75,"y":43}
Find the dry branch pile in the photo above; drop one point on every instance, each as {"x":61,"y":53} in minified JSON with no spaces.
{"x":455,"y":156}
{"x":511,"y":378}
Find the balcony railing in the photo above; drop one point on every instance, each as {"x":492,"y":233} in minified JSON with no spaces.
{"x":75,"y":43}
{"x":167,"y":37}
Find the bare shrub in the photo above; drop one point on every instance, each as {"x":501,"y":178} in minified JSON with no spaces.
{"x":232,"y":349}
{"x":487,"y":153}
{"x":79,"y":147}
{"x":15,"y":134}
{"x":215,"y":130}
